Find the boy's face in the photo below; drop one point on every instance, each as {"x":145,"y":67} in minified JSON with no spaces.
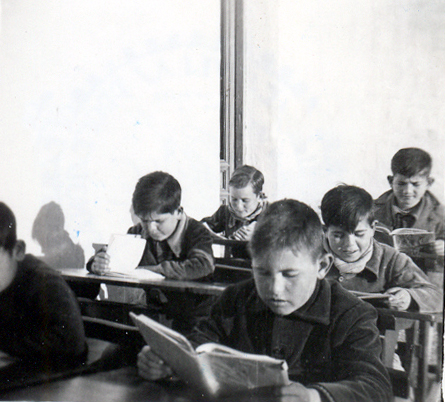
{"x":409,"y":190}
{"x":160,"y":227}
{"x":286,"y":280}
{"x":244,"y":201}
{"x":351,"y":246}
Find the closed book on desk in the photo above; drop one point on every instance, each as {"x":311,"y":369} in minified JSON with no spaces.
{"x":212,"y":368}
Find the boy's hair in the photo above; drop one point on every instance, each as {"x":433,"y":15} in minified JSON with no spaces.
{"x":411,"y":161}
{"x":156,"y":192}
{"x":246,"y":174}
{"x":287,"y":224}
{"x":344,"y":206}
{"x":8,"y":230}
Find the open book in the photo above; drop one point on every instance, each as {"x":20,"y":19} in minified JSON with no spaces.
{"x":125,"y":251}
{"x":212,"y":368}
{"x":412,"y":241}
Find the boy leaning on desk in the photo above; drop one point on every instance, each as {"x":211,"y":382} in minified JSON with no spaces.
{"x":177,"y":247}
{"x":327,"y":336}
{"x":41,"y":328}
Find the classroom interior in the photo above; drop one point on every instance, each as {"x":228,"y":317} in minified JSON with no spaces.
{"x":94,"y":95}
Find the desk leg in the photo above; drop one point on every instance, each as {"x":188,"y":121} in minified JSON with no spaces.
{"x":422,"y":373}
{"x":389,"y":347}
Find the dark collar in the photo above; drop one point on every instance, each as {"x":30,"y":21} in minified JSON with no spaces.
{"x":316,"y":309}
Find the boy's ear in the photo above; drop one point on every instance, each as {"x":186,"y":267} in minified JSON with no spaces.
{"x":325,"y":262}
{"x":430,"y":181}
{"x":390,"y":180}
{"x":180,"y":210}
{"x":19,"y":250}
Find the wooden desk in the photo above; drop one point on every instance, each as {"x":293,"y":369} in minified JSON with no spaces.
{"x":196,"y":287}
{"x":421,"y":324}
{"x":122,"y":385}
{"x":119,"y":385}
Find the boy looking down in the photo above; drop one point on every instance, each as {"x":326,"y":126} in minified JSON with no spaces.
{"x":178,"y":247}
{"x":288,"y":310}
{"x":363,"y":264}
{"x":410,"y":204}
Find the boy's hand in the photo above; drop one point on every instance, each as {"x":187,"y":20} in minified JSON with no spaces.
{"x":151,"y":367}
{"x":436,"y":248}
{"x":296,"y":392}
{"x":101,"y":262}
{"x":439,"y":247}
{"x":400,"y":299}
{"x":244,"y":233}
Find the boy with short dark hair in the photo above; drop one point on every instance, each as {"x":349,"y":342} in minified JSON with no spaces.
{"x":327,"y":336}
{"x":363,"y":264}
{"x":410,"y":204}
{"x":178,"y":246}
{"x":40,"y":321}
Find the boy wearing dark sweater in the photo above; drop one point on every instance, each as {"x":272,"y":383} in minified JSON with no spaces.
{"x":40,"y":323}
{"x":178,"y":246}
{"x":327,"y":336}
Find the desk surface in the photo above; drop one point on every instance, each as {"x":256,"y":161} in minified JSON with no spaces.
{"x":82,"y":275}
{"x":121,"y":385}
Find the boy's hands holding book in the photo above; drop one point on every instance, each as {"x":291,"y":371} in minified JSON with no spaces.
{"x":400,"y":299}
{"x":151,"y":367}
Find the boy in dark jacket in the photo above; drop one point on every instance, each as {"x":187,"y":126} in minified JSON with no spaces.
{"x":178,"y":247}
{"x":40,"y":322}
{"x":410,"y":204}
{"x":327,"y":336}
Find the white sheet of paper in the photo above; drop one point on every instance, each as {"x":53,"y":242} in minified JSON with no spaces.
{"x":125,"y":252}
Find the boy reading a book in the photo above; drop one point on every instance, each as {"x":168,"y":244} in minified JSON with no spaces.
{"x":327,"y":336}
{"x":247,"y":201}
{"x":410,"y":204}
{"x":363,"y":264}
{"x":178,"y":246}
{"x":40,"y":322}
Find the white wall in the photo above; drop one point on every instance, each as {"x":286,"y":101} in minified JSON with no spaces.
{"x":342,"y":86}
{"x":95,"y":94}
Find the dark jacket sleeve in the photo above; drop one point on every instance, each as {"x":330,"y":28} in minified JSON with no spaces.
{"x":217,"y":222}
{"x":359,"y":371}
{"x":403,"y":272}
{"x":196,"y":255}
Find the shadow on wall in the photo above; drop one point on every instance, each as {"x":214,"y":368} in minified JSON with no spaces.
{"x":59,"y":251}
{"x":58,"y":248}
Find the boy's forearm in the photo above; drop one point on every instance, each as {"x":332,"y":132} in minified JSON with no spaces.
{"x":196,"y":267}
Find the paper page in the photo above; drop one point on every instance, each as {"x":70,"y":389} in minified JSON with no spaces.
{"x":125,"y":252}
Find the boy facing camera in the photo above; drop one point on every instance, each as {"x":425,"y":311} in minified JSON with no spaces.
{"x":363,"y":264}
{"x":409,"y":203}
{"x":288,"y":310}
{"x":40,"y":322}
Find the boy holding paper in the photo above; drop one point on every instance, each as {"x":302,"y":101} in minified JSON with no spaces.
{"x":327,"y":336}
{"x":178,"y":246}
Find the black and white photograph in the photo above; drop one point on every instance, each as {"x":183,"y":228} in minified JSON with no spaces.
{"x":222,"y":200}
